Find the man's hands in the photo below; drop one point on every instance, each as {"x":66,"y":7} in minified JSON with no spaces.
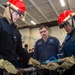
{"x":4,"y":64}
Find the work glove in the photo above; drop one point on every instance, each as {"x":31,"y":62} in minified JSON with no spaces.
{"x":52,"y":66}
{"x":4,"y":64}
{"x":43,"y":66}
{"x":34,"y":62}
{"x":68,"y":62}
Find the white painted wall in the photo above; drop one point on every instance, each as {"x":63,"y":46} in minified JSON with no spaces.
{"x":30,"y":36}
{"x":25,"y":35}
{"x":35,"y":34}
{"x":58,"y":33}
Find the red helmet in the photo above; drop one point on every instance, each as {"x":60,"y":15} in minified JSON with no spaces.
{"x":64,"y":16}
{"x":18,"y":5}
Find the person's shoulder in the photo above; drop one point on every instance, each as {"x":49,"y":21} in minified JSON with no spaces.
{"x":1,"y":23}
{"x":53,"y":37}
{"x":2,"y":19}
{"x":39,"y":42}
{"x":54,"y":40}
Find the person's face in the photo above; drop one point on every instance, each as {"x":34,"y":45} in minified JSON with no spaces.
{"x":15,"y":16}
{"x":44,"y":33}
{"x":68,"y":28}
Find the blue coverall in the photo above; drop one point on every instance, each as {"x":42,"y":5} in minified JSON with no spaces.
{"x":69,"y":50}
{"x":45,"y":50}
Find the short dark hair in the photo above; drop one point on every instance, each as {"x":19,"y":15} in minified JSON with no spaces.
{"x":26,"y":45}
{"x":43,"y":26}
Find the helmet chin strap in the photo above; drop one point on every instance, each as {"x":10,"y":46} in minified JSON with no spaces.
{"x":72,"y":23}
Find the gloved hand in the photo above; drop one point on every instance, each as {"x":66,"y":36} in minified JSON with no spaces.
{"x":52,"y":66}
{"x":43,"y":67}
{"x":34,"y":62}
{"x":68,"y":62}
{"x":4,"y":64}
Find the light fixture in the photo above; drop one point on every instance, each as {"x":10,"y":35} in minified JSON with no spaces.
{"x":62,"y":3}
{"x":33,"y":22}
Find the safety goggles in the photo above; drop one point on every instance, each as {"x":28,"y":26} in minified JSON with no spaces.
{"x":68,"y":22}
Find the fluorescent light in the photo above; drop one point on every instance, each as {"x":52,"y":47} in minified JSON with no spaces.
{"x":62,"y":2}
{"x":33,"y":22}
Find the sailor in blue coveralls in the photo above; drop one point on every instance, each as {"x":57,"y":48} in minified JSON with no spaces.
{"x":66,"y":20}
{"x":45,"y":48}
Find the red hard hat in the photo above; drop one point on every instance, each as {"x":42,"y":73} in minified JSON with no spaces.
{"x":19,"y":4}
{"x":63,"y":16}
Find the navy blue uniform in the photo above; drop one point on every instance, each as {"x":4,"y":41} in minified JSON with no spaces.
{"x":45,"y":50}
{"x":10,"y":42}
{"x":69,"y":46}
{"x":69,"y":50}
